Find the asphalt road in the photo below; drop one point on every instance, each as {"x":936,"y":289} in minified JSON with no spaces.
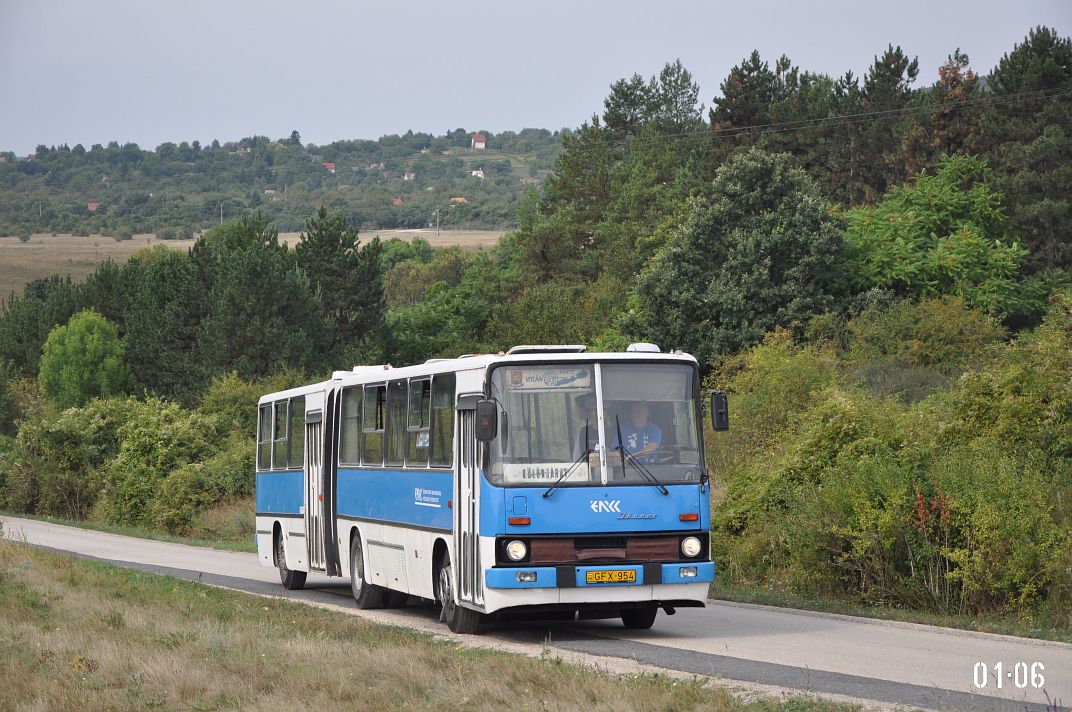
{"x":891,"y":664}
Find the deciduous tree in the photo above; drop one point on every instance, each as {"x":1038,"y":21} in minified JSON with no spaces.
{"x":764,"y":252}
{"x":83,"y":359}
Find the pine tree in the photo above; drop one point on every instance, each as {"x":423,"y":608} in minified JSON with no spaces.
{"x":1030,"y":138}
{"x":347,"y":278}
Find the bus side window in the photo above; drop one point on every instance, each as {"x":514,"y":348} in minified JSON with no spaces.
{"x":417,"y":438}
{"x":264,"y":437}
{"x":442,"y":454}
{"x":297,"y":432}
{"x":350,"y":436}
{"x":395,"y":446}
{"x":279,"y":437}
{"x":372,"y":425}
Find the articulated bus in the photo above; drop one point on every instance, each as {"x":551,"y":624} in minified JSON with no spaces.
{"x":545,"y":481}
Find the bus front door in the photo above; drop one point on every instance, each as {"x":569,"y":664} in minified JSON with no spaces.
{"x":469,"y":581}
{"x":314,"y":492}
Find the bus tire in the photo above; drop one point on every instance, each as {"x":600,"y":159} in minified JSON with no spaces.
{"x":291,"y":580}
{"x":458,"y":619}
{"x":366,"y":595}
{"x":639,"y":618}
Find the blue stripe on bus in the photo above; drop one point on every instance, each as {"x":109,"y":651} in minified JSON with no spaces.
{"x":417,"y":497}
{"x":592,"y":509}
{"x":280,"y":492}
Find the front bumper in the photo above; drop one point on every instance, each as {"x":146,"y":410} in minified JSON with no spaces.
{"x":572,"y":576}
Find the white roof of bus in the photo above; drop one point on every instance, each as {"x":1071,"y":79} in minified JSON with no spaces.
{"x":375,"y":374}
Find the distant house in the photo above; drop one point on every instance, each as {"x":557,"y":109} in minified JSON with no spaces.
{"x":458,"y":200}
{"x":409,"y":175}
{"x":480,"y":142}
{"x":3,"y":158}
{"x":92,"y":206}
{"x":396,"y":201}
{"x":329,"y":167}
{"x":269,"y":191}
{"x":375,"y":166}
{"x":478,"y":173}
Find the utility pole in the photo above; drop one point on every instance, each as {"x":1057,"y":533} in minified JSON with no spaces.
{"x":221,"y":213}
{"x":437,"y":222}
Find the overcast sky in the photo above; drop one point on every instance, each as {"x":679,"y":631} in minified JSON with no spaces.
{"x":151,"y":71}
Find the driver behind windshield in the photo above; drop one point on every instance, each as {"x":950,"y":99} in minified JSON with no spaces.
{"x":642,"y":437}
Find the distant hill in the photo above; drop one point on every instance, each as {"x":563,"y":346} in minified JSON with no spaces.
{"x":397,"y":181}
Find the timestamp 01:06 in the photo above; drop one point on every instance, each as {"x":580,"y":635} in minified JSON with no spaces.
{"x":1020,"y":675}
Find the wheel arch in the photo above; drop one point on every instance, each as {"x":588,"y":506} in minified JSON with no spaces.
{"x":277,"y":538}
{"x":440,"y":551}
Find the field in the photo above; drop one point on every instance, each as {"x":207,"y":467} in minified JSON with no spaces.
{"x":76,"y":634}
{"x":44,"y":255}
{"x":465,"y":239}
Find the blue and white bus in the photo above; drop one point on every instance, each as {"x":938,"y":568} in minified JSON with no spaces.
{"x":541,"y":481}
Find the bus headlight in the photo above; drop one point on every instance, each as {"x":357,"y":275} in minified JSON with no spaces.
{"x":516,"y":550}
{"x":690,"y":546}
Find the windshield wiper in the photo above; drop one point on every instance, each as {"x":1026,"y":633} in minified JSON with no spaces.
{"x":637,"y":464}
{"x":584,"y":456}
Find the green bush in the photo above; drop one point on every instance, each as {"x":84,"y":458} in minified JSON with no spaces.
{"x":161,"y":438}
{"x":945,"y":234}
{"x":958,"y":503}
{"x":233,"y":401}
{"x":54,"y":467}
{"x":769,"y":385}
{"x":943,"y":334}
{"x":195,"y":487}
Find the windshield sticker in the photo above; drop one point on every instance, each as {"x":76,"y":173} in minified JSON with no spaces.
{"x":544,"y":472}
{"x":544,"y":378}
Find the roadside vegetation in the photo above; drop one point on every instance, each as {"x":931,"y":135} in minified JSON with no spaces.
{"x":892,"y":323}
{"x":76,"y":634}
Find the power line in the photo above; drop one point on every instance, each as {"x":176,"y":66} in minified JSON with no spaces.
{"x":827,"y":122}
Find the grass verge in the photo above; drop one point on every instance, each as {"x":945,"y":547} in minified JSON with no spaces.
{"x":982,"y":624}
{"x":77,"y":634}
{"x":226,"y":543}
{"x":736,"y":594}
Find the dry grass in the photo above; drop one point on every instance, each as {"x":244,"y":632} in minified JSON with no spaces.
{"x":81,"y":635}
{"x":228,"y":522}
{"x":45,"y":255}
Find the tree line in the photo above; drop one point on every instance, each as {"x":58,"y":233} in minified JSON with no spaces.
{"x":178,"y":190}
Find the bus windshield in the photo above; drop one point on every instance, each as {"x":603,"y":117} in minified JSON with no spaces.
{"x":550,"y":428}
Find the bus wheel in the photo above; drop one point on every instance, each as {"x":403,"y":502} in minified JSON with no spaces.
{"x":366,"y":595}
{"x":639,"y":618}
{"x":291,"y":580}
{"x":458,"y":619}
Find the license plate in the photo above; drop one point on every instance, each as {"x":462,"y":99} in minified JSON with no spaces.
{"x":612,"y":576}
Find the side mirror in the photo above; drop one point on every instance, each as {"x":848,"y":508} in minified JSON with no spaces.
{"x":487,"y":420}
{"x":720,"y":412}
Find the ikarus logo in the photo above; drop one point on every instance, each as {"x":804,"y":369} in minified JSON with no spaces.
{"x":606,"y":505}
